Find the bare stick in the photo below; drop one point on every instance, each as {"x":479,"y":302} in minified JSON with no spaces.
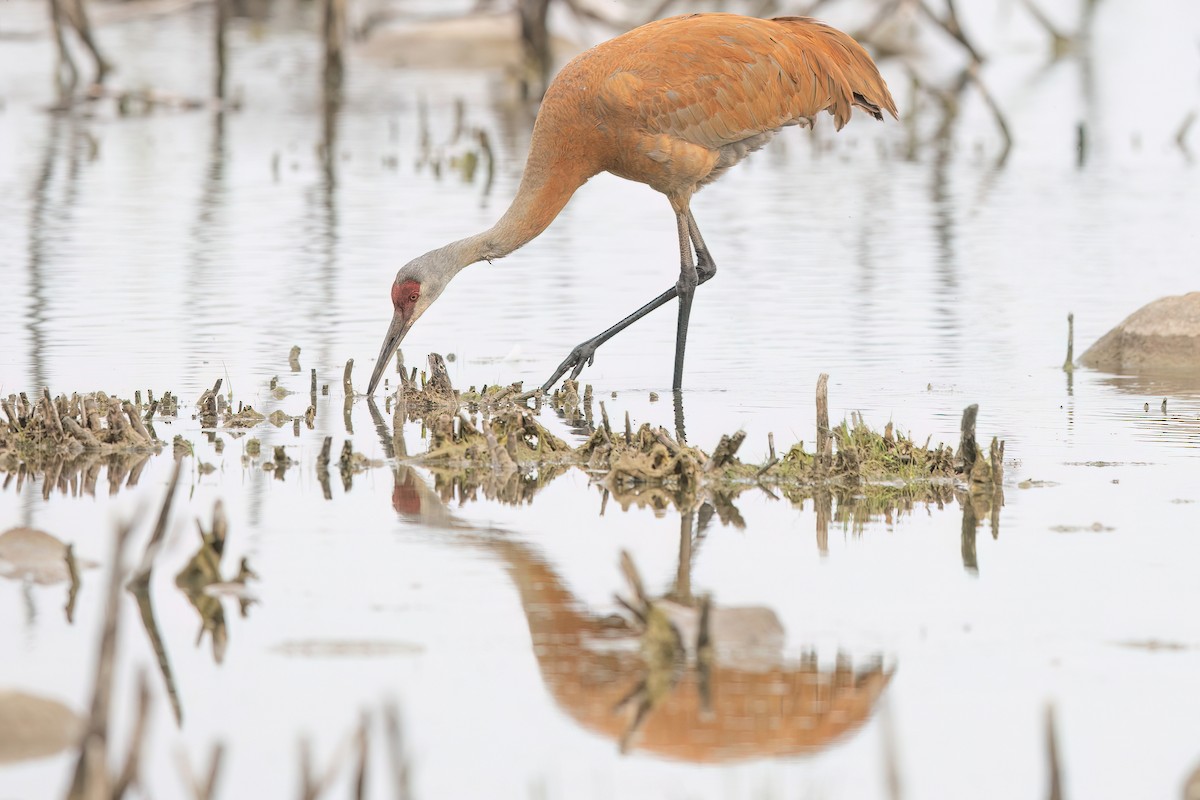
{"x":824,"y":442}
{"x":1069,"y":364}
{"x":52,"y":412}
{"x":135,"y":421}
{"x":347,"y":385}
{"x":967,"y":449}
{"x":219,"y":25}
{"x":725,"y":450}
{"x":439,"y":376}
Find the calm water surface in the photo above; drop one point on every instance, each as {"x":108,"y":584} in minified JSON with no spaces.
{"x":169,"y":250}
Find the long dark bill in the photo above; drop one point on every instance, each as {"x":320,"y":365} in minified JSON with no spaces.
{"x":395,"y":334}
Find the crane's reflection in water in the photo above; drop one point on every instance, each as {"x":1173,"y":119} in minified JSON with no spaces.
{"x":677,"y":676}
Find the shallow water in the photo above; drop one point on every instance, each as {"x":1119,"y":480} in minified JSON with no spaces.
{"x":166,"y":251}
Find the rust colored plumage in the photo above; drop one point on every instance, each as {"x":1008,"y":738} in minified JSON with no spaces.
{"x":672,"y":104}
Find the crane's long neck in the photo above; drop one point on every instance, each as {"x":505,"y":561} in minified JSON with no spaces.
{"x":551,"y":176}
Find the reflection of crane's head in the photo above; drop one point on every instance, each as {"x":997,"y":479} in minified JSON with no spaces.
{"x":417,"y":285}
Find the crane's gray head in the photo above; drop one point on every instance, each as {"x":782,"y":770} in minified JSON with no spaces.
{"x":417,"y":285}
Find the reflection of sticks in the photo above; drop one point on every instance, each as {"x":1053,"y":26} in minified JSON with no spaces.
{"x":323,"y":468}
{"x":141,"y":594}
{"x":91,"y":768}
{"x":704,"y":656}
{"x":142,"y":576}
{"x":951,"y":25}
{"x":823,"y":505}
{"x":73,"y":590}
{"x":891,"y":757}
{"x":973,"y":72}
{"x":395,"y":740}
{"x":1056,"y":792}
{"x":205,"y":790}
{"x":1060,"y":42}
{"x":76,"y":14}
{"x":129,"y":773}
{"x":67,"y":73}
{"x":362,"y":741}
{"x":1181,"y":134}
{"x":969,"y":524}
{"x":334,"y":32}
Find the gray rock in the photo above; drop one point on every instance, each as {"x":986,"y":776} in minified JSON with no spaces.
{"x":1163,"y":335}
{"x":29,"y":554}
{"x":35,"y":727}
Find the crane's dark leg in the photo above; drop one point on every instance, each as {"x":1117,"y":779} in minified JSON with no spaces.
{"x":689,"y":279}
{"x":585,"y":352}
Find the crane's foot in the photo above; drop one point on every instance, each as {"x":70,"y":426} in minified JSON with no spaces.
{"x":581,"y":356}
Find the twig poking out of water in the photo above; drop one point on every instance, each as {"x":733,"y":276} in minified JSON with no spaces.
{"x":294,"y":359}
{"x":347,"y":384}
{"x":824,"y":443}
{"x":968,"y":450}
{"x":1069,"y":363}
{"x":221,"y":9}
{"x":1055,"y":791}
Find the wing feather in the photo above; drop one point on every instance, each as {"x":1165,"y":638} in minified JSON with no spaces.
{"x":716,"y":79}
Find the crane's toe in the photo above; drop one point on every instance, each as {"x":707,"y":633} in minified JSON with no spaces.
{"x":582,"y":355}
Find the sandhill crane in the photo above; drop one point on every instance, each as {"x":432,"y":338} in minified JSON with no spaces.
{"x":672,"y":104}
